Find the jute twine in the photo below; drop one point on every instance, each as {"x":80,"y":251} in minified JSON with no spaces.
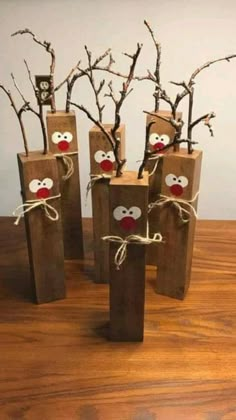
{"x":178,"y":204}
{"x":50,"y":212}
{"x":121,"y":252}
{"x":157,"y":158}
{"x":68,"y":162}
{"x":93,"y":180}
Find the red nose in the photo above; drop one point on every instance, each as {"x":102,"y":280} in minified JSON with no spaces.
{"x":128,"y":223}
{"x":43,"y":193}
{"x":176,"y":190}
{"x":63,"y":145}
{"x":106,"y":165}
{"x":158,"y":146}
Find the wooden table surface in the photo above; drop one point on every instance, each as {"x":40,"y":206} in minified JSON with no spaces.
{"x":56,"y":361}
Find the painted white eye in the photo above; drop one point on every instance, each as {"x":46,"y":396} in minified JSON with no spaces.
{"x":57,"y":137}
{"x":110,"y":156}
{"x":165,"y":139}
{"x":99,"y":156}
{"x":134,"y":212}
{"x":171,"y":179}
{"x":44,"y":95}
{"x":154,"y":138}
{"x":34,"y":185}
{"x":47,"y":183}
{"x":183,"y":181}
{"x":44,"y":85}
{"x":120,"y":212}
{"x":67,"y":136}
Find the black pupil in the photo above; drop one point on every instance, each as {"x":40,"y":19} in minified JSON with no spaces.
{"x":65,"y":137}
{"x":108,"y":156}
{"x":103,"y":155}
{"x":174,"y":179}
{"x":179,"y":181}
{"x":59,"y":136}
{"x":39,"y":183}
{"x":130,"y":212}
{"x":124,"y":211}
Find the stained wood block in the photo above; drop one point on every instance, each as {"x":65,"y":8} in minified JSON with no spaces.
{"x":102,"y":162}
{"x":101,"y":155}
{"x":180,"y":180}
{"x":128,"y":215}
{"x":62,"y":138}
{"x":39,"y":179}
{"x":161,"y":133}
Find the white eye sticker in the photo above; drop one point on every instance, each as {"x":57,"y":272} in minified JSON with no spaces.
{"x":120,"y":212}
{"x":99,"y":156}
{"x":134,"y":212}
{"x":170,"y":179}
{"x":67,"y":136}
{"x":44,"y":85}
{"x":165,"y":139}
{"x":57,"y":137}
{"x":110,"y":156}
{"x":34,"y":185}
{"x":154,"y":138}
{"x":47,"y":183}
{"x":183,"y":181}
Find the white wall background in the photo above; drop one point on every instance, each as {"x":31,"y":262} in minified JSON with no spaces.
{"x":191,"y":32}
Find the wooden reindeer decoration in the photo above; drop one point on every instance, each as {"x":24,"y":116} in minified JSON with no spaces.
{"x":41,"y":210}
{"x":63,"y":143}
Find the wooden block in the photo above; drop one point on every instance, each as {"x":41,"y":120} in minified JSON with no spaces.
{"x":62,"y":137}
{"x":39,"y":179}
{"x":101,"y":155}
{"x":180,"y":180}
{"x":128,"y":215}
{"x":164,"y":133}
{"x":102,"y":162}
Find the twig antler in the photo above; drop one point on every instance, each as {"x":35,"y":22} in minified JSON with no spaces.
{"x":157,"y":67}
{"x":147,"y":152}
{"x":28,"y":107}
{"x":19,"y":116}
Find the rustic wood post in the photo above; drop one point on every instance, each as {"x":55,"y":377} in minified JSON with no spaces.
{"x":39,"y":181}
{"x":180,"y":181}
{"x":128,"y":215}
{"x":161,"y":134}
{"x":63,"y":143}
{"x":102,"y":162}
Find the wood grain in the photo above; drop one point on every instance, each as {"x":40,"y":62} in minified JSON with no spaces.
{"x":127,"y":285}
{"x":62,"y":122}
{"x":44,"y":236}
{"x":56,"y":362}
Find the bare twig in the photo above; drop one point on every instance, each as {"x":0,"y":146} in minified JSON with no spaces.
{"x":28,"y":107}
{"x":19,"y":116}
{"x":157,"y":66}
{"x":147,"y":152}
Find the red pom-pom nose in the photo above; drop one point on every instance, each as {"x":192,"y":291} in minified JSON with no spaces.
{"x":43,"y":193}
{"x":63,"y":145}
{"x":158,"y":146}
{"x":128,"y":223}
{"x":106,"y":165}
{"x":176,"y":190}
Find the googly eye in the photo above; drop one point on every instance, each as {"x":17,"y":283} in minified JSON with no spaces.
{"x":34,"y":185}
{"x":135,"y":212}
{"x":183,"y":181}
{"x":67,"y":136}
{"x":56,"y":137}
{"x":165,"y":139}
{"x":99,"y":156}
{"x":44,"y":85}
{"x":110,"y":156}
{"x":44,"y":95}
{"x":47,"y":183}
{"x":170,"y":179}
{"x":154,"y":138}
{"x":120,"y":212}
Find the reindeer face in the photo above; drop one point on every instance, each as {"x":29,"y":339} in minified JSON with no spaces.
{"x":62,"y":140}
{"x":41,"y":188}
{"x":105,"y":160}
{"x":158,"y":141}
{"x":127,"y":217}
{"x":176,"y":184}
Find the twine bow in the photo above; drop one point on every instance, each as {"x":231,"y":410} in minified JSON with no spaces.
{"x":178,"y":204}
{"x":121,"y":252}
{"x":93,"y":180}
{"x":68,"y":162}
{"x":50,"y":212}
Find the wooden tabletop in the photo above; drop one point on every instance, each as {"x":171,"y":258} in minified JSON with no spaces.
{"x":57,"y":363}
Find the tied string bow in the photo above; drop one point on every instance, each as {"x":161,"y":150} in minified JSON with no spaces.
{"x":121,"y":252}
{"x":50,"y":212}
{"x":178,"y":204}
{"x":93,"y":180}
{"x":68,"y":163}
